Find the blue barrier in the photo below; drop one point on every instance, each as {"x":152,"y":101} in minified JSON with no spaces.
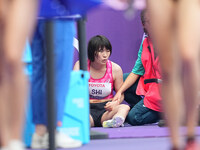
{"x":76,"y":115}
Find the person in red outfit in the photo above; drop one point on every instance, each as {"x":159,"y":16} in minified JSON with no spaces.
{"x":147,"y":71}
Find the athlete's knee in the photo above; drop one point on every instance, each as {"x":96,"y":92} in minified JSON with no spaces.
{"x":169,"y":69}
{"x":124,"y":107}
{"x":190,"y":59}
{"x":13,"y":62}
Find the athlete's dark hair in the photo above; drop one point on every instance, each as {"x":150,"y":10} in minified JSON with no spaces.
{"x":98,"y":42}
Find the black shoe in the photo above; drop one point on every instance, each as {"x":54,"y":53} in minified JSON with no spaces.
{"x":162,"y":123}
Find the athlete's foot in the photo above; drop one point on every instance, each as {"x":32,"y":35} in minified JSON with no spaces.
{"x":114,"y":123}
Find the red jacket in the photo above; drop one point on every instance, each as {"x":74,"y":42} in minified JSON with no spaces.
{"x":150,"y":91}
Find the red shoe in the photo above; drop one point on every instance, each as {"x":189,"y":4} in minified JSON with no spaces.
{"x":175,"y":149}
{"x":192,"y":145}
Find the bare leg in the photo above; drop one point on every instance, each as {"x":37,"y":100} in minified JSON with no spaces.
{"x":91,"y":121}
{"x":162,"y":18}
{"x":189,"y":45}
{"x":119,"y":111}
{"x":18,"y":22}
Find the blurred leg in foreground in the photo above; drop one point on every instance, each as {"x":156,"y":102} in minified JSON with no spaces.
{"x":17,"y":20}
{"x":177,"y":41}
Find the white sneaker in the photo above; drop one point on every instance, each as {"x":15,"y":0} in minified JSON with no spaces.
{"x":114,"y":123}
{"x":16,"y":145}
{"x":40,"y":142}
{"x":64,"y":141}
{"x":3,"y":148}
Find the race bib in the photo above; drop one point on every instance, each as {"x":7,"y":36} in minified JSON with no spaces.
{"x":99,"y":90}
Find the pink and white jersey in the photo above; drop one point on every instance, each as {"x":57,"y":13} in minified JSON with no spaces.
{"x":102,"y":88}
